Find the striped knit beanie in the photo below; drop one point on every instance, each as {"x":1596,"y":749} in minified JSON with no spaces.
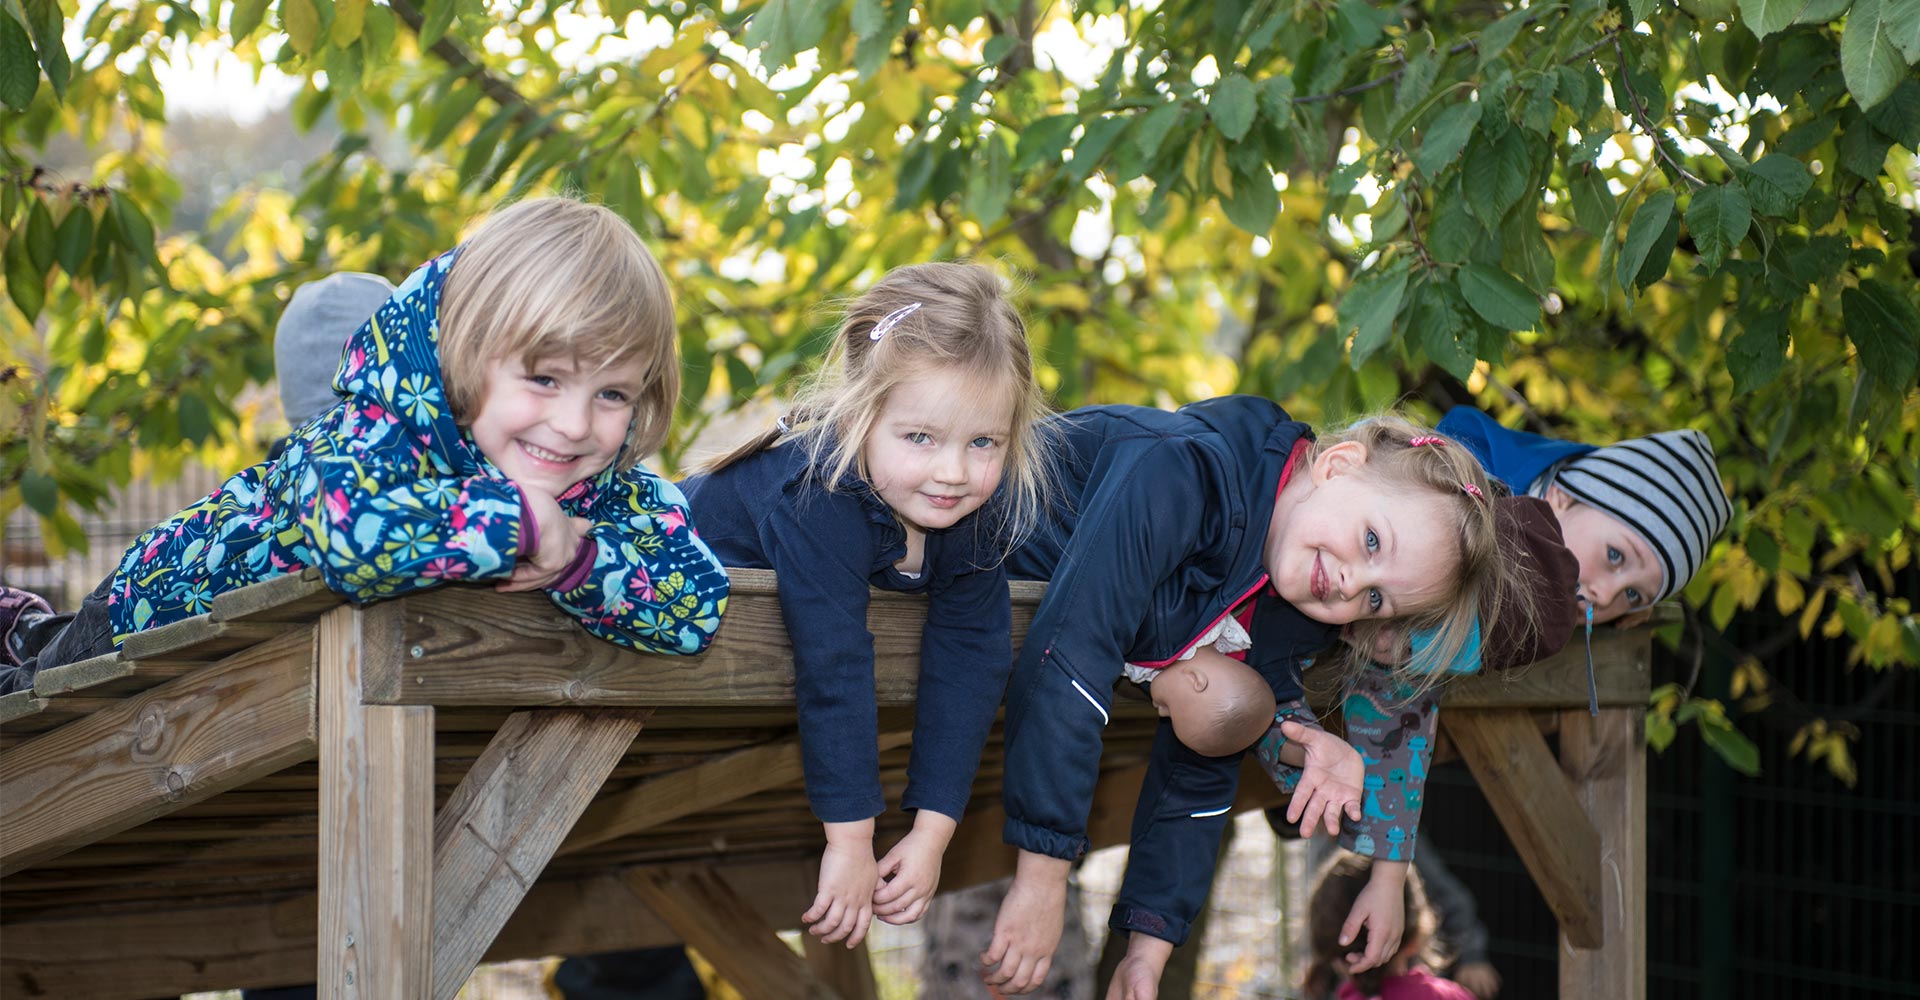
{"x":1664,"y":486}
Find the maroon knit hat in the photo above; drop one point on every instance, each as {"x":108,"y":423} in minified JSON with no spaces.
{"x":1540,"y":612}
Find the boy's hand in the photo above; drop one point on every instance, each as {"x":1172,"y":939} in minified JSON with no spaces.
{"x":843,"y":904}
{"x":1026,"y":933}
{"x":559,"y":536}
{"x":1137,"y":977}
{"x":1331,"y":780}
{"x":911,"y":871}
{"x":1379,"y":908}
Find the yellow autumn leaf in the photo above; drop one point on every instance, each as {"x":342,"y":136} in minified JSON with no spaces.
{"x":1788,"y":595}
{"x":302,"y":23}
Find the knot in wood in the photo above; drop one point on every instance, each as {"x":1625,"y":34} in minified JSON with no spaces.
{"x":148,"y":731}
{"x":176,"y":784}
{"x":575,"y":690}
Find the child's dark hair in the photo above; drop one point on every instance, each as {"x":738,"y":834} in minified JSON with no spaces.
{"x":940,"y":316}
{"x":1335,"y":889}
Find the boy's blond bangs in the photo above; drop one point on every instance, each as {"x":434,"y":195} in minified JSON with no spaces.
{"x":558,"y":279}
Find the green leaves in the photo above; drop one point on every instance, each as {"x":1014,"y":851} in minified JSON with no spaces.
{"x":18,"y":76}
{"x":1497,"y":174}
{"x":1764,"y":17}
{"x":1647,"y":231}
{"x":1776,"y":184}
{"x":1718,"y":218}
{"x":1232,"y":106}
{"x":1369,"y":306}
{"x":1885,"y":328}
{"x":1499,"y":297}
{"x":785,"y":28}
{"x":1756,"y":356}
{"x":1444,"y":137}
{"x":44,"y":23}
{"x":1873,"y":64}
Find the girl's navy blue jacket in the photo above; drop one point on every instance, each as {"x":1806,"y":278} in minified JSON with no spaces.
{"x":1157,"y":530}
{"x":772,"y":511}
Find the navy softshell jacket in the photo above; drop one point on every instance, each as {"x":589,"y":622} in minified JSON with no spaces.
{"x":771,"y":511}
{"x":1156,"y":532}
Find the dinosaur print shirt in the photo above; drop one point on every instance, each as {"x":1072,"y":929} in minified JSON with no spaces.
{"x":386,"y":494}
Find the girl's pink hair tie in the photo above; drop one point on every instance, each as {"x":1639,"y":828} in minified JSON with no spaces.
{"x":1425,"y":439}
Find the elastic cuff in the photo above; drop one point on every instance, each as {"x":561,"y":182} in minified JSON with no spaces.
{"x":1039,"y":840}
{"x":1137,"y":920}
{"x":580,"y":568}
{"x":529,"y":527}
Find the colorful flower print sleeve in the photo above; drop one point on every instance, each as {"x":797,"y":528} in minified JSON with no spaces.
{"x":652,"y":583}
{"x":377,"y":533}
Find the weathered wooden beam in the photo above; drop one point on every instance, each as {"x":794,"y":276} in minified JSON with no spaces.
{"x":496,"y":834}
{"x":1536,"y":804}
{"x":727,"y":931}
{"x":200,"y":637}
{"x":847,"y":972}
{"x":218,"y":728}
{"x":470,"y":646}
{"x":695,"y":789}
{"x":1606,"y":758}
{"x":126,"y":954}
{"x":295,"y":597}
{"x":376,"y":819}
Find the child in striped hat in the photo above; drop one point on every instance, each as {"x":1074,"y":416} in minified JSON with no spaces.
{"x":1639,"y":515}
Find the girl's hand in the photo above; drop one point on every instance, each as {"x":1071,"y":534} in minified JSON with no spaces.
{"x":843,"y":904}
{"x":1137,"y":977}
{"x":1026,"y":931}
{"x":559,"y":537}
{"x":1379,"y":908}
{"x":1331,"y":779}
{"x":910,"y":873}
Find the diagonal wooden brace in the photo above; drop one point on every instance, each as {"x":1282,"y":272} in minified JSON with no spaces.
{"x":1537,"y":806}
{"x":497,"y":833}
{"x":727,"y":931}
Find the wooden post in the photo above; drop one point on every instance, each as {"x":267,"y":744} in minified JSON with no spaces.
{"x":1606,"y":758}
{"x":376,"y":817}
{"x":497,"y":833}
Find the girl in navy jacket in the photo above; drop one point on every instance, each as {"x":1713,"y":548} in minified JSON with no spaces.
{"x":888,"y":474}
{"x":1163,"y":523}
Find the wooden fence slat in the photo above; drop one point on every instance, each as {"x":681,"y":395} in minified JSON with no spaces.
{"x":376,"y":822}
{"x":495,"y":835}
{"x":177,"y":744}
{"x":848,"y":972}
{"x":727,"y":931}
{"x":1536,"y":805}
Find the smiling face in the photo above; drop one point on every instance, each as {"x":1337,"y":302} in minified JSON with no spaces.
{"x":1619,"y":574}
{"x":937,"y":447}
{"x":552,"y":425}
{"x":1342,"y":548}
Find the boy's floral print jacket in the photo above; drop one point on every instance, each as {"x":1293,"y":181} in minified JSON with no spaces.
{"x":385,"y":494}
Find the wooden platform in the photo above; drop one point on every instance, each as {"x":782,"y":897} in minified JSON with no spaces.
{"x":382,"y":796}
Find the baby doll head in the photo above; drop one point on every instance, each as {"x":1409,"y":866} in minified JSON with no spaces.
{"x":1217,"y":704}
{"x":1388,"y":522}
{"x":557,"y":343}
{"x":1640,"y":516}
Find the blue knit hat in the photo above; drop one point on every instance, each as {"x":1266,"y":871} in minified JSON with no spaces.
{"x":1664,"y":486}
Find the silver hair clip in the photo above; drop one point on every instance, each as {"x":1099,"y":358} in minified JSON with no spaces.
{"x":782,"y":425}
{"x":892,"y":319}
